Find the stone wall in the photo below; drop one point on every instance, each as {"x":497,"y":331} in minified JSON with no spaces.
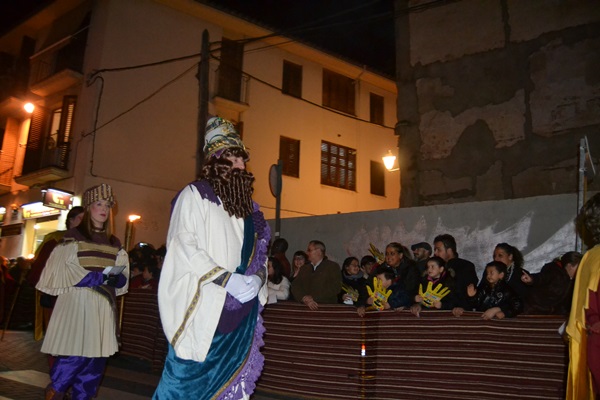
{"x":505,"y":91}
{"x":541,"y":227}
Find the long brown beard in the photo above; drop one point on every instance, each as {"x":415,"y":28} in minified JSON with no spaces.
{"x":234,"y":188}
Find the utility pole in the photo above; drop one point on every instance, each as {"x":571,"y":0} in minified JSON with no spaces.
{"x":202,"y":76}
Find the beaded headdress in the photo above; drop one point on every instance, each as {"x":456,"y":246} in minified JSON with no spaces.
{"x":220,"y":135}
{"x":100,"y":192}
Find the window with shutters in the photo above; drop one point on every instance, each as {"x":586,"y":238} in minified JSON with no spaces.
{"x":376,"y":109}
{"x":377,"y":178}
{"x":289,"y":154}
{"x":48,"y":143}
{"x":338,"y":166}
{"x":338,"y":92}
{"x":230,"y":70}
{"x":292,"y":79}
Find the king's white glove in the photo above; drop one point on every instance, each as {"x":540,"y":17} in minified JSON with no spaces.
{"x":243,"y":288}
{"x":238,"y":287}
{"x":254,"y":283}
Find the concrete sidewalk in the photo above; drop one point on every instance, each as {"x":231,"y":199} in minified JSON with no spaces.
{"x":24,"y":373}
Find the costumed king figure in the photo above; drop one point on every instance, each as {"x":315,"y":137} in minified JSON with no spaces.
{"x":212,"y":286}
{"x":83,"y":330}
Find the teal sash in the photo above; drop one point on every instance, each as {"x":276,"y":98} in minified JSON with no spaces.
{"x":228,"y":351}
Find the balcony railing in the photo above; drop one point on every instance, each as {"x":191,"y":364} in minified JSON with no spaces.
{"x":233,"y":87}
{"x":66,"y":54}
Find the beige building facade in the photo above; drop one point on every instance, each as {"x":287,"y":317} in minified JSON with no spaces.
{"x":116,"y":96}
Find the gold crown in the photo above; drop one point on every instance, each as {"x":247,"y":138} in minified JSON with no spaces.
{"x":220,"y":135}
{"x":100,"y":192}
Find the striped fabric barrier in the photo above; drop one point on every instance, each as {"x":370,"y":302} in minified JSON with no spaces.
{"x":334,"y":354}
{"x":141,"y":331}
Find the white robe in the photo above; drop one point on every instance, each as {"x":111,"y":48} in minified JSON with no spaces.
{"x":203,"y":242}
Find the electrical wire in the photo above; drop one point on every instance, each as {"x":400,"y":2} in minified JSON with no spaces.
{"x":145,"y":99}
{"x":303,"y":99}
{"x":296,"y":30}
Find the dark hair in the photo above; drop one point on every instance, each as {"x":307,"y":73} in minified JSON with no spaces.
{"x":153,"y":270}
{"x":348,"y":261}
{"x":439,"y":260}
{"x":367,"y":260}
{"x":512,"y":251}
{"x":588,"y":221}
{"x":571,"y":257}
{"x":73,"y":212}
{"x":396,"y":246}
{"x":280,"y":245}
{"x":319,"y":245}
{"x":277,"y":270}
{"x":448,"y":241}
{"x":388,"y":272}
{"x":302,"y":254}
{"x":499,"y":265}
{"x":406,"y":254}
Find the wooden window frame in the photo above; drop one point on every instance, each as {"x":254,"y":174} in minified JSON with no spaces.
{"x":377,"y":173}
{"x":376,"y":109}
{"x":289,"y":154}
{"x":339,"y":92}
{"x":230,"y":70}
{"x":291,"y":79}
{"x":338,"y":166}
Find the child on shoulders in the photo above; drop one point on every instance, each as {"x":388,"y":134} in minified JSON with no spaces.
{"x":494,"y":297}
{"x":436,"y":290}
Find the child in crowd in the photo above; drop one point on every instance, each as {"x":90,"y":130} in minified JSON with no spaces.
{"x":367,"y":265}
{"x":436,"y":289}
{"x":354,"y":284}
{"x":494,"y":296}
{"x":386,"y":291}
{"x":148,"y":279}
{"x":278,"y":285}
{"x":135,"y":270}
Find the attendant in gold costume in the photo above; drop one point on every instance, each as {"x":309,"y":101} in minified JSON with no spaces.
{"x":83,"y":329}
{"x":583,"y":329}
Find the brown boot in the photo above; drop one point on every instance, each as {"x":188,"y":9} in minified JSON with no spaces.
{"x":52,"y":394}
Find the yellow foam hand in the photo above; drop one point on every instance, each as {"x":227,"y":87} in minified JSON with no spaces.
{"x":379,"y":294}
{"x":375,"y":252}
{"x":432,"y":295}
{"x":351,"y":291}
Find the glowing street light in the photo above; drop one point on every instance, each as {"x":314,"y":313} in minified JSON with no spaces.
{"x":388,"y":160}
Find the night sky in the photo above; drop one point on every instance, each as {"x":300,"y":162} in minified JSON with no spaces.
{"x":360,"y":31}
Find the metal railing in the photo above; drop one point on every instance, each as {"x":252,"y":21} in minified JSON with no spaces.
{"x":67,"y":53}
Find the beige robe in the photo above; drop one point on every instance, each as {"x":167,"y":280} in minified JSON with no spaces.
{"x":83,"y":322}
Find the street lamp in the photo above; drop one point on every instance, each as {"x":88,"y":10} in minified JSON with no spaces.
{"x":29,"y":107}
{"x":388,"y":160}
{"x":129,"y":229}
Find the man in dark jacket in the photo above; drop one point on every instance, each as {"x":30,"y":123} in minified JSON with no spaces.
{"x":444,"y":246}
{"x":319,"y":280}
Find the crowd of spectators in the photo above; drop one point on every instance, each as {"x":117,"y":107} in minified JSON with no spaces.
{"x":422,"y":278}
{"x":426,"y":277}
{"x":19,"y":276}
